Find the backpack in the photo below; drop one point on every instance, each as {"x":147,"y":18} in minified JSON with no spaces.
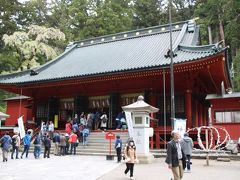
{"x":14,"y":141}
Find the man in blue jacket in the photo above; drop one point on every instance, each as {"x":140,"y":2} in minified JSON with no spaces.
{"x":26,"y":143}
{"x":118,"y":147}
{"x":5,"y":145}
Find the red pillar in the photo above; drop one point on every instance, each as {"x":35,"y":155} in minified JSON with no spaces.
{"x":200,"y":115}
{"x":196,"y":113}
{"x":153,"y":102}
{"x":188,"y":108}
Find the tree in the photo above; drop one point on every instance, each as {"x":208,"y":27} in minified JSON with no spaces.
{"x":34,"y":47}
{"x":149,"y":13}
{"x":9,"y":11}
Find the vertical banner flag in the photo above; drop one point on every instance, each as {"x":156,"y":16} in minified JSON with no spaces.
{"x":180,"y":126}
{"x":55,"y":121}
{"x":21,"y":127}
{"x":129,"y":123}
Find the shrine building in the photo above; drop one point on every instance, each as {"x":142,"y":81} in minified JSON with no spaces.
{"x":108,"y":72}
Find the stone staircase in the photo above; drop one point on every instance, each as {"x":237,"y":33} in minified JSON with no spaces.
{"x":97,"y":144}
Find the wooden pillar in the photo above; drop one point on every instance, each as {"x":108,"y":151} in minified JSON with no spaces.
{"x":153,"y":102}
{"x":204,"y":116}
{"x":200,"y":115}
{"x":196,"y":113}
{"x":188,"y":108}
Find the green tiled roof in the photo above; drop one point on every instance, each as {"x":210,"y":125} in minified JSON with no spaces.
{"x":127,"y":51}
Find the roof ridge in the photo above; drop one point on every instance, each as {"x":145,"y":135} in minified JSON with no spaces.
{"x":210,"y":47}
{"x":130,"y":34}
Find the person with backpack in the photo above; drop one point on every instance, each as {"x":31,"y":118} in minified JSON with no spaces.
{"x":85,"y":135}
{"x":15,"y":145}
{"x":5,"y":141}
{"x":47,"y":146}
{"x":118,"y":147}
{"x":130,"y":157}
{"x":37,"y":146}
{"x":26,"y":143}
{"x":104,"y":121}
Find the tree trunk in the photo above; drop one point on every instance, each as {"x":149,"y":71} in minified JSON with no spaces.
{"x":222,"y":36}
{"x":210,"y":35}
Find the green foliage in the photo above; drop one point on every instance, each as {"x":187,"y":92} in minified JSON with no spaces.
{"x":29,"y":48}
{"x":236,"y":67}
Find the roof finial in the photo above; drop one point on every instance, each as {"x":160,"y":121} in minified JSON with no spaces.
{"x":140,"y":98}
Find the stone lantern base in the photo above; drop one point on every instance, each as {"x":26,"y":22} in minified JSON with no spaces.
{"x":145,"y":159}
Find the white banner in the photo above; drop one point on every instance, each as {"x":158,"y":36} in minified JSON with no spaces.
{"x":180,"y":126}
{"x":21,"y":127}
{"x":129,"y":123}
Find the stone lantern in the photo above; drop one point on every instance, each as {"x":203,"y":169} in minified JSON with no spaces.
{"x":139,"y":128}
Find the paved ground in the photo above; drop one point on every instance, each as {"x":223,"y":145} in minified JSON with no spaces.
{"x":158,"y":170}
{"x":56,"y":168}
{"x":93,"y":167}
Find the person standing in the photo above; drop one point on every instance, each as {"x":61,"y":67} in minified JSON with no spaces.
{"x":56,"y":142}
{"x":68,"y":127}
{"x":47,"y":146}
{"x":187,"y":149}
{"x":62,"y":144}
{"x":51,"y":129}
{"x":118,"y":147}
{"x":175,"y":156}
{"x":130,"y":157}
{"x":37,"y":146}
{"x":104,"y":121}
{"x":26,"y":143}
{"x":85,"y":133}
{"x":73,"y":141}
{"x":5,"y":145}
{"x":15,"y":145}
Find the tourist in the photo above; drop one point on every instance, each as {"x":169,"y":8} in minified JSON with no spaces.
{"x":5,"y":145}
{"x":130,"y":157}
{"x":26,"y":143}
{"x":73,"y":142}
{"x":175,"y":156}
{"x":51,"y":129}
{"x":119,"y":119}
{"x":104,"y":121}
{"x":83,"y":120}
{"x":187,"y":143}
{"x":67,"y":143}
{"x":97,"y":120}
{"x":37,"y":146}
{"x":43,"y":129}
{"x":118,"y":147}
{"x":62,"y":144}
{"x":85,"y":133}
{"x":56,"y":142}
{"x":68,"y":127}
{"x":75,"y":119}
{"x":15,"y":145}
{"x":90,"y":118}
{"x":47,"y":146}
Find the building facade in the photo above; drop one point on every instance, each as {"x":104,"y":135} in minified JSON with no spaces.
{"x":108,"y":72}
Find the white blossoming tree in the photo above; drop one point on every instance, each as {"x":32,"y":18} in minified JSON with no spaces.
{"x":38,"y":45}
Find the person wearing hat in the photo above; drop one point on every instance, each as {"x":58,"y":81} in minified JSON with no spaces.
{"x":118,"y":147}
{"x":175,"y":156}
{"x":187,"y":149}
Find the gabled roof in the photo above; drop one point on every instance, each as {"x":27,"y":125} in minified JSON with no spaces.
{"x":16,"y":98}
{"x":225,"y":96}
{"x":127,"y":51}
